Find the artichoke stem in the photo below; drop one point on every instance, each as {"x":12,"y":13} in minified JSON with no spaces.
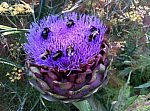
{"x":83,"y":105}
{"x":89,"y":105}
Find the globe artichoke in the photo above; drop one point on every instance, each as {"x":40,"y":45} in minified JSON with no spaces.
{"x":67,"y":56}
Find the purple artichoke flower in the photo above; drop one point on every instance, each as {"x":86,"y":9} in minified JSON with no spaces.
{"x":67,"y":56}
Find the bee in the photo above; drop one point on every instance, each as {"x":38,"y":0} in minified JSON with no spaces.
{"x":70,"y":23}
{"x":94,"y":33}
{"x":57,"y":55}
{"x":45,"y":33}
{"x":45,"y":55}
{"x":93,"y":28}
{"x":69,"y":50}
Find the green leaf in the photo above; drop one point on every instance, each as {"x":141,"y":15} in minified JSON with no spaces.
{"x":96,"y":104}
{"x":6,"y":27}
{"x":42,"y":4}
{"x":13,"y":31}
{"x":83,"y":105}
{"x":140,"y":104}
{"x":126,"y":71}
{"x":123,"y":96}
{"x":130,"y":101}
{"x":146,"y":85}
{"x":8,"y":62}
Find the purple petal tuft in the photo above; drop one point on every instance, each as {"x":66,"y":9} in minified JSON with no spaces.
{"x":60,"y":37}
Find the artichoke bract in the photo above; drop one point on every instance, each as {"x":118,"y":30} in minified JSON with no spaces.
{"x":67,"y":56}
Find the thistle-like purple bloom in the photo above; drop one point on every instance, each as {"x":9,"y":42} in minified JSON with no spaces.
{"x":69,"y":52}
{"x":60,"y":37}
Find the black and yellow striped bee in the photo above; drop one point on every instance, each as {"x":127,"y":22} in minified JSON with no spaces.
{"x":70,"y":23}
{"x":57,"y":55}
{"x":45,"y":33}
{"x":94,"y":32}
{"x":45,"y":55}
{"x":70,"y":50}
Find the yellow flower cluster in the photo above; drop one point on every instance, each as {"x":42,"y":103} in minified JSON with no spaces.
{"x":68,"y":6}
{"x":143,"y":10}
{"x":15,"y":74}
{"x":16,"y":9}
{"x":100,"y":11}
{"x":134,"y":16}
{"x":114,"y":21}
{"x":15,"y":50}
{"x":4,"y":7}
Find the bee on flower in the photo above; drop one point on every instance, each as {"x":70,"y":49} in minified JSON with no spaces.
{"x":67,"y":56}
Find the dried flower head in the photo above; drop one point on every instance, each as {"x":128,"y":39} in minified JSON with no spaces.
{"x":67,"y":55}
{"x":16,"y":9}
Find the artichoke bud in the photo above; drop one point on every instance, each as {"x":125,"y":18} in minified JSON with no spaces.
{"x":67,"y":56}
